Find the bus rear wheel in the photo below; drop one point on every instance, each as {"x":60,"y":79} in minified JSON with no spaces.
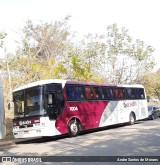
{"x":132,"y":119}
{"x":74,"y":128}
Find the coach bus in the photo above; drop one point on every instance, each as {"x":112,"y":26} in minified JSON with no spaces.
{"x":55,"y":107}
{"x":2,"y":113}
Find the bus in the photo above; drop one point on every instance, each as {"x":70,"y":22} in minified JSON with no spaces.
{"x":2,"y":113}
{"x":54,"y":107}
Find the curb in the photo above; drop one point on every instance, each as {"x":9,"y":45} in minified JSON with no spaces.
{"x":6,"y":143}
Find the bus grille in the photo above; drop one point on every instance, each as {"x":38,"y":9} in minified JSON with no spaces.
{"x":26,"y":126}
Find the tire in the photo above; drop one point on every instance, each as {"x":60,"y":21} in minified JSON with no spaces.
{"x":132,"y":119}
{"x":152,"y":117}
{"x":74,"y":128}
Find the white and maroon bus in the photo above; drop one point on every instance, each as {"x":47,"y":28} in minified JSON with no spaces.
{"x":54,"y":107}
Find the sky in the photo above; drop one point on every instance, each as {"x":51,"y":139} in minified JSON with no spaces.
{"x":140,"y":17}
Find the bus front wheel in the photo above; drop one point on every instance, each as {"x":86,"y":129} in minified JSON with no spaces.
{"x":74,"y":128}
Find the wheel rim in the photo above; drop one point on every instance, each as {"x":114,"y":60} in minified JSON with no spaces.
{"x":74,"y":128}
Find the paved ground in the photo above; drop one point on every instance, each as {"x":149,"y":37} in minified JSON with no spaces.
{"x":6,"y":143}
{"x":141,"y":139}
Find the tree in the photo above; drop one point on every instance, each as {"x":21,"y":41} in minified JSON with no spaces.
{"x":126,"y":60}
{"x":42,"y":52}
{"x":152,"y":84}
{"x":46,"y":40}
{"x":5,"y":72}
{"x":48,"y":51}
{"x":84,"y":58}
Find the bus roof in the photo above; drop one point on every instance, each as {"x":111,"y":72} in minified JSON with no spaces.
{"x":63,"y":82}
{"x":103,"y":84}
{"x":41,"y":82}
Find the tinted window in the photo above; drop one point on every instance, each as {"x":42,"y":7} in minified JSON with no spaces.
{"x":75,"y":93}
{"x":97,"y":93}
{"x":130,"y":93}
{"x":89,"y":93}
{"x":140,"y":93}
{"x":107,"y":93}
{"x":79,"y":93}
{"x":94,"y":93}
{"x":135,"y":93}
{"x":119,"y":93}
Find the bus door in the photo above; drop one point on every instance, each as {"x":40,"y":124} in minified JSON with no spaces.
{"x":55,"y":100}
{"x":52,"y":105}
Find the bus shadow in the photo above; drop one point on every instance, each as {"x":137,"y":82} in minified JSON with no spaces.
{"x":107,"y":128}
{"x":39,"y":139}
{"x":59,"y":137}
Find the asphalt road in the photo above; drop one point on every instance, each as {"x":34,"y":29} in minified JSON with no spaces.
{"x":141,"y":139}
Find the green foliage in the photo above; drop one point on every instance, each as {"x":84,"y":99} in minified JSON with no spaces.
{"x":47,"y":51}
{"x":152,"y":84}
{"x":126,"y":60}
{"x":46,"y":40}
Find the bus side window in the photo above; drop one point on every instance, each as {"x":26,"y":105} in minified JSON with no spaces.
{"x":70,"y":93}
{"x":128,"y":93}
{"x":121,"y":93}
{"x":96,"y":94}
{"x":142,"y":96}
{"x":100,"y":93}
{"x":131,"y":93}
{"x":88,"y":93}
{"x":104,"y":95}
{"x":79,"y":93}
{"x":75,"y":93}
{"x":140,"y":93}
{"x":111,"y":93}
{"x":107,"y":93}
{"x":116,"y":95}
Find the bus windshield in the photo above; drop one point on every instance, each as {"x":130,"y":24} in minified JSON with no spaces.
{"x":28,"y":102}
